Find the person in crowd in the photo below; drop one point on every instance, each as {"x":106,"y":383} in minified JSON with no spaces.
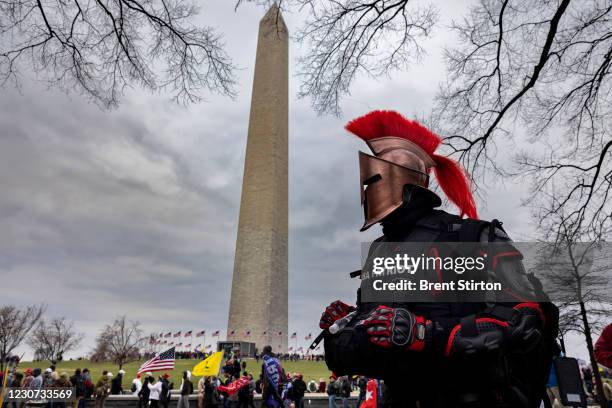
{"x":244,"y":392}
{"x":37,"y":380}
{"x":164,"y":398}
{"x":185,"y":391}
{"x":89,"y":385}
{"x":287,"y":393}
{"x":332,"y":391}
{"x":143,"y":394}
{"x":587,"y":378}
{"x":362,"y":383}
{"x":62,"y":381}
{"x":46,"y":377}
{"x":155,"y":389}
{"x":116,"y":383}
{"x":299,"y":388}
{"x":345,"y":391}
{"x":258,"y":384}
{"x":202,"y":391}
{"x":28,"y":378}
{"x":251,"y":397}
{"x":78,"y":382}
{"x":272,"y":375}
{"x":608,"y":393}
{"x":211,"y":395}
{"x":102,"y":389}
{"x":136,"y":385}
{"x":16,"y":382}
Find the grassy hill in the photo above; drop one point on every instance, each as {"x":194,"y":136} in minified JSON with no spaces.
{"x":309,"y":369}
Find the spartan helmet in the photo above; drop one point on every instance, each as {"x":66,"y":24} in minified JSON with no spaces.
{"x":403,"y":154}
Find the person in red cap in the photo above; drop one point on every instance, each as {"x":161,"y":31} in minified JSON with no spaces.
{"x":486,"y":353}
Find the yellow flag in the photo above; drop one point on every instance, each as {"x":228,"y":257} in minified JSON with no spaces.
{"x":209,"y":366}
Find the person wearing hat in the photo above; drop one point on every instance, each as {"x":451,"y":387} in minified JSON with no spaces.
{"x":497,"y":352}
{"x":116,"y":383}
{"x":102,"y":389}
{"x":299,"y":388}
{"x":164,"y":398}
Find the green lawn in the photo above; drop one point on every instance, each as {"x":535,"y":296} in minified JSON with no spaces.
{"x":309,"y":369}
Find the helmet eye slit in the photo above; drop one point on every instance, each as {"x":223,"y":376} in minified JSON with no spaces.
{"x":373,"y":179}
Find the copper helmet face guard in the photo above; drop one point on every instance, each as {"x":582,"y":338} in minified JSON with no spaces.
{"x":382,"y":186}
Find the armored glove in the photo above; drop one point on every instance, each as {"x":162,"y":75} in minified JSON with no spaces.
{"x":520,"y":333}
{"x":389,"y":327}
{"x":336,"y":310}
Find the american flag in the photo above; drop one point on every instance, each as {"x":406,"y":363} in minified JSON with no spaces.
{"x":200,"y":334}
{"x":308,"y":337}
{"x":188,"y":345}
{"x":168,"y":334}
{"x":177,"y":334}
{"x":161,"y":362}
{"x":248,"y":332}
{"x":188,"y":333}
{"x":293,"y":336}
{"x":216,"y":333}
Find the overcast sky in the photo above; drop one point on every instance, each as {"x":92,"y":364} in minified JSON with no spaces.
{"x":135,"y":211}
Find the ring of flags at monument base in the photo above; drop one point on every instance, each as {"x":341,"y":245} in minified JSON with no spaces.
{"x":190,"y":333}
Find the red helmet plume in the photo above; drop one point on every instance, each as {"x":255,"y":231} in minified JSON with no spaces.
{"x":451,"y":177}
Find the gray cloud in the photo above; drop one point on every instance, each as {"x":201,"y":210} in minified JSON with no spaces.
{"x":134,"y":211}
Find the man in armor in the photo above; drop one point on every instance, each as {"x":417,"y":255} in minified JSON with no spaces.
{"x":441,"y":353}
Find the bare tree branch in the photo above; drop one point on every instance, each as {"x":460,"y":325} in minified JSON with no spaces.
{"x":15,"y":325}
{"x":50,"y":341}
{"x":348,"y":38}
{"x":98,"y":47}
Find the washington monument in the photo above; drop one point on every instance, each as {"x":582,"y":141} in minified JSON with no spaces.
{"x":259,"y":302}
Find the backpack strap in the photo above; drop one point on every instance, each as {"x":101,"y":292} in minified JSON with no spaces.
{"x":471,"y":229}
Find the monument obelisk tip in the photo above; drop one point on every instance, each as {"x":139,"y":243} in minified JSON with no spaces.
{"x":274,"y":17}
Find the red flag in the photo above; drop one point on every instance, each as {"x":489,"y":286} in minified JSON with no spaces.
{"x":234,"y":386}
{"x":371,"y":398}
